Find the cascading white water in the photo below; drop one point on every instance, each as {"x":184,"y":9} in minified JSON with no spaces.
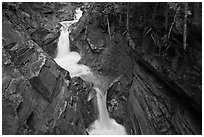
{"x":101,"y":100}
{"x":68,"y":60}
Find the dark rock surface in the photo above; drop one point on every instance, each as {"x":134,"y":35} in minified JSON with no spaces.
{"x":173,"y":65}
{"x":39,"y":97}
{"x":138,"y":100}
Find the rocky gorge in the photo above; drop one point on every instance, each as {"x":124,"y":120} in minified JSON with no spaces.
{"x":40,"y":97}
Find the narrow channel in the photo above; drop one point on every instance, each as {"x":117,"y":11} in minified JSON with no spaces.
{"x":69,"y":61}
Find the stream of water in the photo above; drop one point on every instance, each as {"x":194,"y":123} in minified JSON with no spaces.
{"x":69,"y":60}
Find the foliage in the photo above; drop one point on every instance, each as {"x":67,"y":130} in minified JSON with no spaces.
{"x":173,"y":27}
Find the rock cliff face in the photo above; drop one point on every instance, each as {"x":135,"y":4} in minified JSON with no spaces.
{"x":139,"y":100}
{"x":39,"y":97}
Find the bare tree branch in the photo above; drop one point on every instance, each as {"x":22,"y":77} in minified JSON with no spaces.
{"x":108,"y":26}
{"x":173,"y":22}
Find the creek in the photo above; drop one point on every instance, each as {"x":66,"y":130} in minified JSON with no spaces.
{"x":69,"y":61}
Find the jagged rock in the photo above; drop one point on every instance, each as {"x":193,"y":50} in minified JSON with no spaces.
{"x":83,"y":91}
{"x":39,"y":20}
{"x":39,"y":97}
{"x":139,"y":101}
{"x":47,"y":40}
{"x":36,"y":97}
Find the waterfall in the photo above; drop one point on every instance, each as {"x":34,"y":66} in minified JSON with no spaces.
{"x":103,"y":113}
{"x":69,"y":60}
{"x":63,"y":44}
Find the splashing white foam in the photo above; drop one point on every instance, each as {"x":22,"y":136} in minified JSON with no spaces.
{"x":68,"y":60}
{"x":105,"y":125}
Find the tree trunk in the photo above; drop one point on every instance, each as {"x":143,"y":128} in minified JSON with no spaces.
{"x":166,"y":18}
{"x":127,"y":18}
{"x":185,"y":25}
{"x":154,"y":13}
